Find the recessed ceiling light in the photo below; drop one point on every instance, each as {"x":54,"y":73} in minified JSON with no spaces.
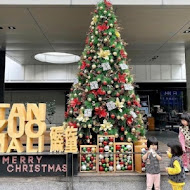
{"x":186,"y":31}
{"x":1,"y":28}
{"x":11,"y":27}
{"x":57,"y":58}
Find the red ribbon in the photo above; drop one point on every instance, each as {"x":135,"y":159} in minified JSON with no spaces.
{"x":102,"y":27}
{"x":108,"y":4}
{"x":75,"y":102}
{"x":101,"y":112}
{"x":122,"y":78}
{"x":83,"y":66}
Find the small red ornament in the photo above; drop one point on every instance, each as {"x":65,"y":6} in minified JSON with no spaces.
{"x":92,"y":158}
{"x":117,"y":94}
{"x":91,"y":43}
{"x":125,"y":115}
{"x":103,"y":161}
{"x":111,"y":139}
{"x":105,"y":133}
{"x":95,"y":11}
{"x":115,"y":79}
{"x":143,"y":165}
{"x":137,"y":112}
{"x":111,"y":163}
{"x":128,"y":103}
{"x":122,"y":138}
{"x":89,"y":149}
{"x":88,"y":52}
{"x":89,"y":58}
{"x":112,"y":116}
{"x":101,"y":149}
{"x":96,"y":109}
{"x":81,"y":73}
{"x":83,"y":66}
{"x":86,"y":41}
{"x":129,"y":167}
{"x":101,"y":168}
{"x":91,"y":165}
{"x":129,"y":120}
{"x":106,"y":22}
{"x":113,"y":46}
{"x":105,"y":83}
{"x":105,"y":143}
{"x":83,"y":159}
{"x":118,"y":147}
{"x":105,"y":34}
{"x":87,"y":65}
{"x":122,"y":128}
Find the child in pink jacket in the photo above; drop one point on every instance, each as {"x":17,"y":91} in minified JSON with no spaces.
{"x":184,"y":139}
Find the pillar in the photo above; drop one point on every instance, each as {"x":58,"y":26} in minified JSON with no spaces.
{"x":2,"y":76}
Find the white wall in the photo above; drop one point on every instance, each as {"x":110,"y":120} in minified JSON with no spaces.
{"x":15,"y":72}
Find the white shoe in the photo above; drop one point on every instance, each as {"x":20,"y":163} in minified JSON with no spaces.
{"x":186,"y":170}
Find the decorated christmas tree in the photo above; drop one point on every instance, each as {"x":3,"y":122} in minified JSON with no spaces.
{"x":103,"y":101}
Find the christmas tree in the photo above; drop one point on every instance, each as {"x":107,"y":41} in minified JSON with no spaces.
{"x":103,"y":101}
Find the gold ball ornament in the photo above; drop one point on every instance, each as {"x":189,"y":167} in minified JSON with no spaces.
{"x":110,"y":143}
{"x":107,"y":165}
{"x":79,"y":83}
{"x":89,"y":99}
{"x":88,"y":140}
{"x":100,"y":99}
{"x":109,"y":14}
{"x":98,"y":44}
{"x":84,"y":56}
{"x":109,"y":91}
{"x":96,"y":32}
{"x":126,"y":132}
{"x":93,"y":66}
{"x":98,"y":79}
{"x":93,"y":150}
{"x":100,"y":163}
{"x":110,"y":33}
{"x":121,"y":155}
{"x":117,"y":158}
{"x":116,"y":135}
{"x":122,"y":118}
{"x":129,"y":139}
{"x":80,"y":135}
{"x":92,"y":27}
{"x":84,"y":126}
{"x":118,"y":117}
{"x":107,"y":160}
{"x":105,"y":39}
{"x":70,"y":111}
{"x":100,"y":144}
{"x":126,"y":163}
{"x":116,"y":86}
{"x":115,"y":53}
{"x":89,"y":126}
{"x":123,"y":100}
{"x":82,"y":108}
{"x":105,"y":12}
{"x":111,"y":25}
{"x":133,"y":130}
{"x":101,"y":8}
{"x":111,"y":60}
{"x":95,"y":57}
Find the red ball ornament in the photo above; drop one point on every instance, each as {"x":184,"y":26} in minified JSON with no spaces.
{"x":121,"y":163}
{"x":106,"y":22}
{"x":92,"y":158}
{"x":91,"y":44}
{"x":137,"y":112}
{"x":101,"y":168}
{"x":122,"y":128}
{"x":89,"y":149}
{"x":95,"y":11}
{"x":129,"y":167}
{"x":83,"y":159}
{"x":115,"y":79}
{"x":91,"y":165}
{"x":122,"y":138}
{"x":111,"y":163}
{"x":81,"y":73}
{"x":105,"y":143}
{"x":101,"y":149}
{"x":103,"y":161}
{"x":106,"y":133}
{"x":105,"y":34}
{"x":112,"y":116}
{"x":111,"y":139}
{"x":118,"y":147}
{"x":87,"y":137}
{"x":125,"y":115}
{"x":128,"y":103}
{"x":88,"y":52}
{"x":143,"y":165}
{"x":89,"y":58}
{"x":119,"y":58}
{"x":113,"y":46}
{"x":96,"y":109}
{"x":117,"y":94}
{"x":87,"y":65}
{"x":99,"y":72}
{"x":105,"y":83}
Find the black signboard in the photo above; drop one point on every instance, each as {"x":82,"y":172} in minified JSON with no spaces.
{"x":38,"y":164}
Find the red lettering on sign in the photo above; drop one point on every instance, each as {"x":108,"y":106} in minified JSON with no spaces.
{"x":22,"y":160}
{"x":18,"y":168}
{"x":10,"y":168}
{"x":5,"y":160}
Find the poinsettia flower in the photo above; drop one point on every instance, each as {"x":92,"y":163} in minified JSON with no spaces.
{"x":105,"y":126}
{"x":83,"y":66}
{"x":81,"y":117}
{"x":104,"y":54}
{"x":108,"y":4}
{"x":94,"y":92}
{"x":129,"y":120}
{"x":119,"y":104}
{"x":122,"y":77}
{"x":72,"y":124}
{"x":102,"y":27}
{"x":101,"y":112}
{"x":75,"y":102}
{"x":100,"y":91}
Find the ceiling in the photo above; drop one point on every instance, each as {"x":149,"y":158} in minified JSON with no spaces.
{"x":154,"y":33}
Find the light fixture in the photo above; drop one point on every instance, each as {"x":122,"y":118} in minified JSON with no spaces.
{"x":57,"y":57}
{"x":1,"y":28}
{"x":11,"y":27}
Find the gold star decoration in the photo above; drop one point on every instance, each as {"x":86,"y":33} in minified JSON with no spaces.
{"x":104,"y":54}
{"x":94,"y":19}
{"x":119,"y":104}
{"x":105,"y":126}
